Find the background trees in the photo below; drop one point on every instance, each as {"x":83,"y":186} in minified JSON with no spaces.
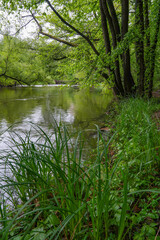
{"x":20,"y":62}
{"x":26,"y":62}
{"x":113,"y":42}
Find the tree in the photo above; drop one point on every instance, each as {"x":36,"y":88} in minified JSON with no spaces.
{"x":127,"y":33}
{"x":139,"y":32}
{"x":24,"y":62}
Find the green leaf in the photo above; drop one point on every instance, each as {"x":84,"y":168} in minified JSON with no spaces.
{"x":53,"y":219}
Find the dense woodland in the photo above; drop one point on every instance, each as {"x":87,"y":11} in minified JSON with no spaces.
{"x":112,"y":43}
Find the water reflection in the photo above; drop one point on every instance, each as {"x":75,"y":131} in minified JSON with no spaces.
{"x":80,"y":110}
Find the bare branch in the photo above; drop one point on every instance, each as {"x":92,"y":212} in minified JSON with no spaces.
{"x":23,"y":27}
{"x":35,"y":19}
{"x":26,"y":16}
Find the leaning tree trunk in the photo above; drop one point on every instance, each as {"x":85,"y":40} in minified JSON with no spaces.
{"x":110,"y":21}
{"x":108,"y":49}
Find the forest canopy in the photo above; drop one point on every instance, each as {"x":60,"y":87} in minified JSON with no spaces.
{"x":113,"y":43}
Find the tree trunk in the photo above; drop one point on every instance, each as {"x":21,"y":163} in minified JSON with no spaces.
{"x":153,"y":54}
{"x":128,"y":79}
{"x":114,"y":19}
{"x":139,"y":20}
{"x":105,"y":30}
{"x":147,"y":51}
{"x":117,"y":80}
{"x":108,"y":49}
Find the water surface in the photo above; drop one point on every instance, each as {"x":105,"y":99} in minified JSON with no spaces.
{"x":78,"y":109}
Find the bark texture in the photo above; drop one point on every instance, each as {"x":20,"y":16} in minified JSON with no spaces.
{"x":139,"y":20}
{"x":128,"y":79}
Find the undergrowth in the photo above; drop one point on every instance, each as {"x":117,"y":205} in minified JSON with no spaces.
{"x":138,"y":143}
{"x":50,"y":191}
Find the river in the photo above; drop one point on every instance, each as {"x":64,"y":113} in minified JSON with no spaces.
{"x":21,"y":107}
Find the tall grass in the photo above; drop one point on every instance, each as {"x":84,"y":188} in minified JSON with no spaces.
{"x":137,"y":135}
{"x":138,"y":144}
{"x":54,"y":193}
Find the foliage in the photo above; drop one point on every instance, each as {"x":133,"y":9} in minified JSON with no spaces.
{"x":56,"y":193}
{"x":24,"y":62}
{"x":137,"y":132}
{"x":138,"y":144}
{"x":99,"y":40}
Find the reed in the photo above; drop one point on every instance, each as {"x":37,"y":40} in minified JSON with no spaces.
{"x":50,"y":185}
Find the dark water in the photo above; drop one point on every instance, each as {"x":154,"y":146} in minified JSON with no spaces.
{"x":78,"y":109}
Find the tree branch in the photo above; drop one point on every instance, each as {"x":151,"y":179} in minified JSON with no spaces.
{"x":22,"y":27}
{"x":51,"y":36}
{"x":35,"y":19}
{"x":59,"y":59}
{"x":13,"y":78}
{"x":58,"y":39}
{"x":73,"y":28}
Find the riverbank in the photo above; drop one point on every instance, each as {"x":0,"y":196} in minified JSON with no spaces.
{"x":39,"y":85}
{"x":57,"y":194}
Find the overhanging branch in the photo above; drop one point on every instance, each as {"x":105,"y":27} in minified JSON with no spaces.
{"x":73,"y":28}
{"x":58,"y":39}
{"x":13,"y":78}
{"x":51,"y":36}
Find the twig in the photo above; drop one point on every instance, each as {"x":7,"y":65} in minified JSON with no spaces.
{"x":23,"y":26}
{"x":157,"y":233}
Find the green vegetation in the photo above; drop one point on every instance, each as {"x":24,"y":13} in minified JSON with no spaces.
{"x":25,"y":62}
{"x":86,"y":42}
{"x":56,"y":192}
{"x":51,"y":188}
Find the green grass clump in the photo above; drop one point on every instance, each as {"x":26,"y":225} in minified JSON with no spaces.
{"x":138,"y":139}
{"x":137,"y":143}
{"x":53,"y":191}
{"x":50,"y":191}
